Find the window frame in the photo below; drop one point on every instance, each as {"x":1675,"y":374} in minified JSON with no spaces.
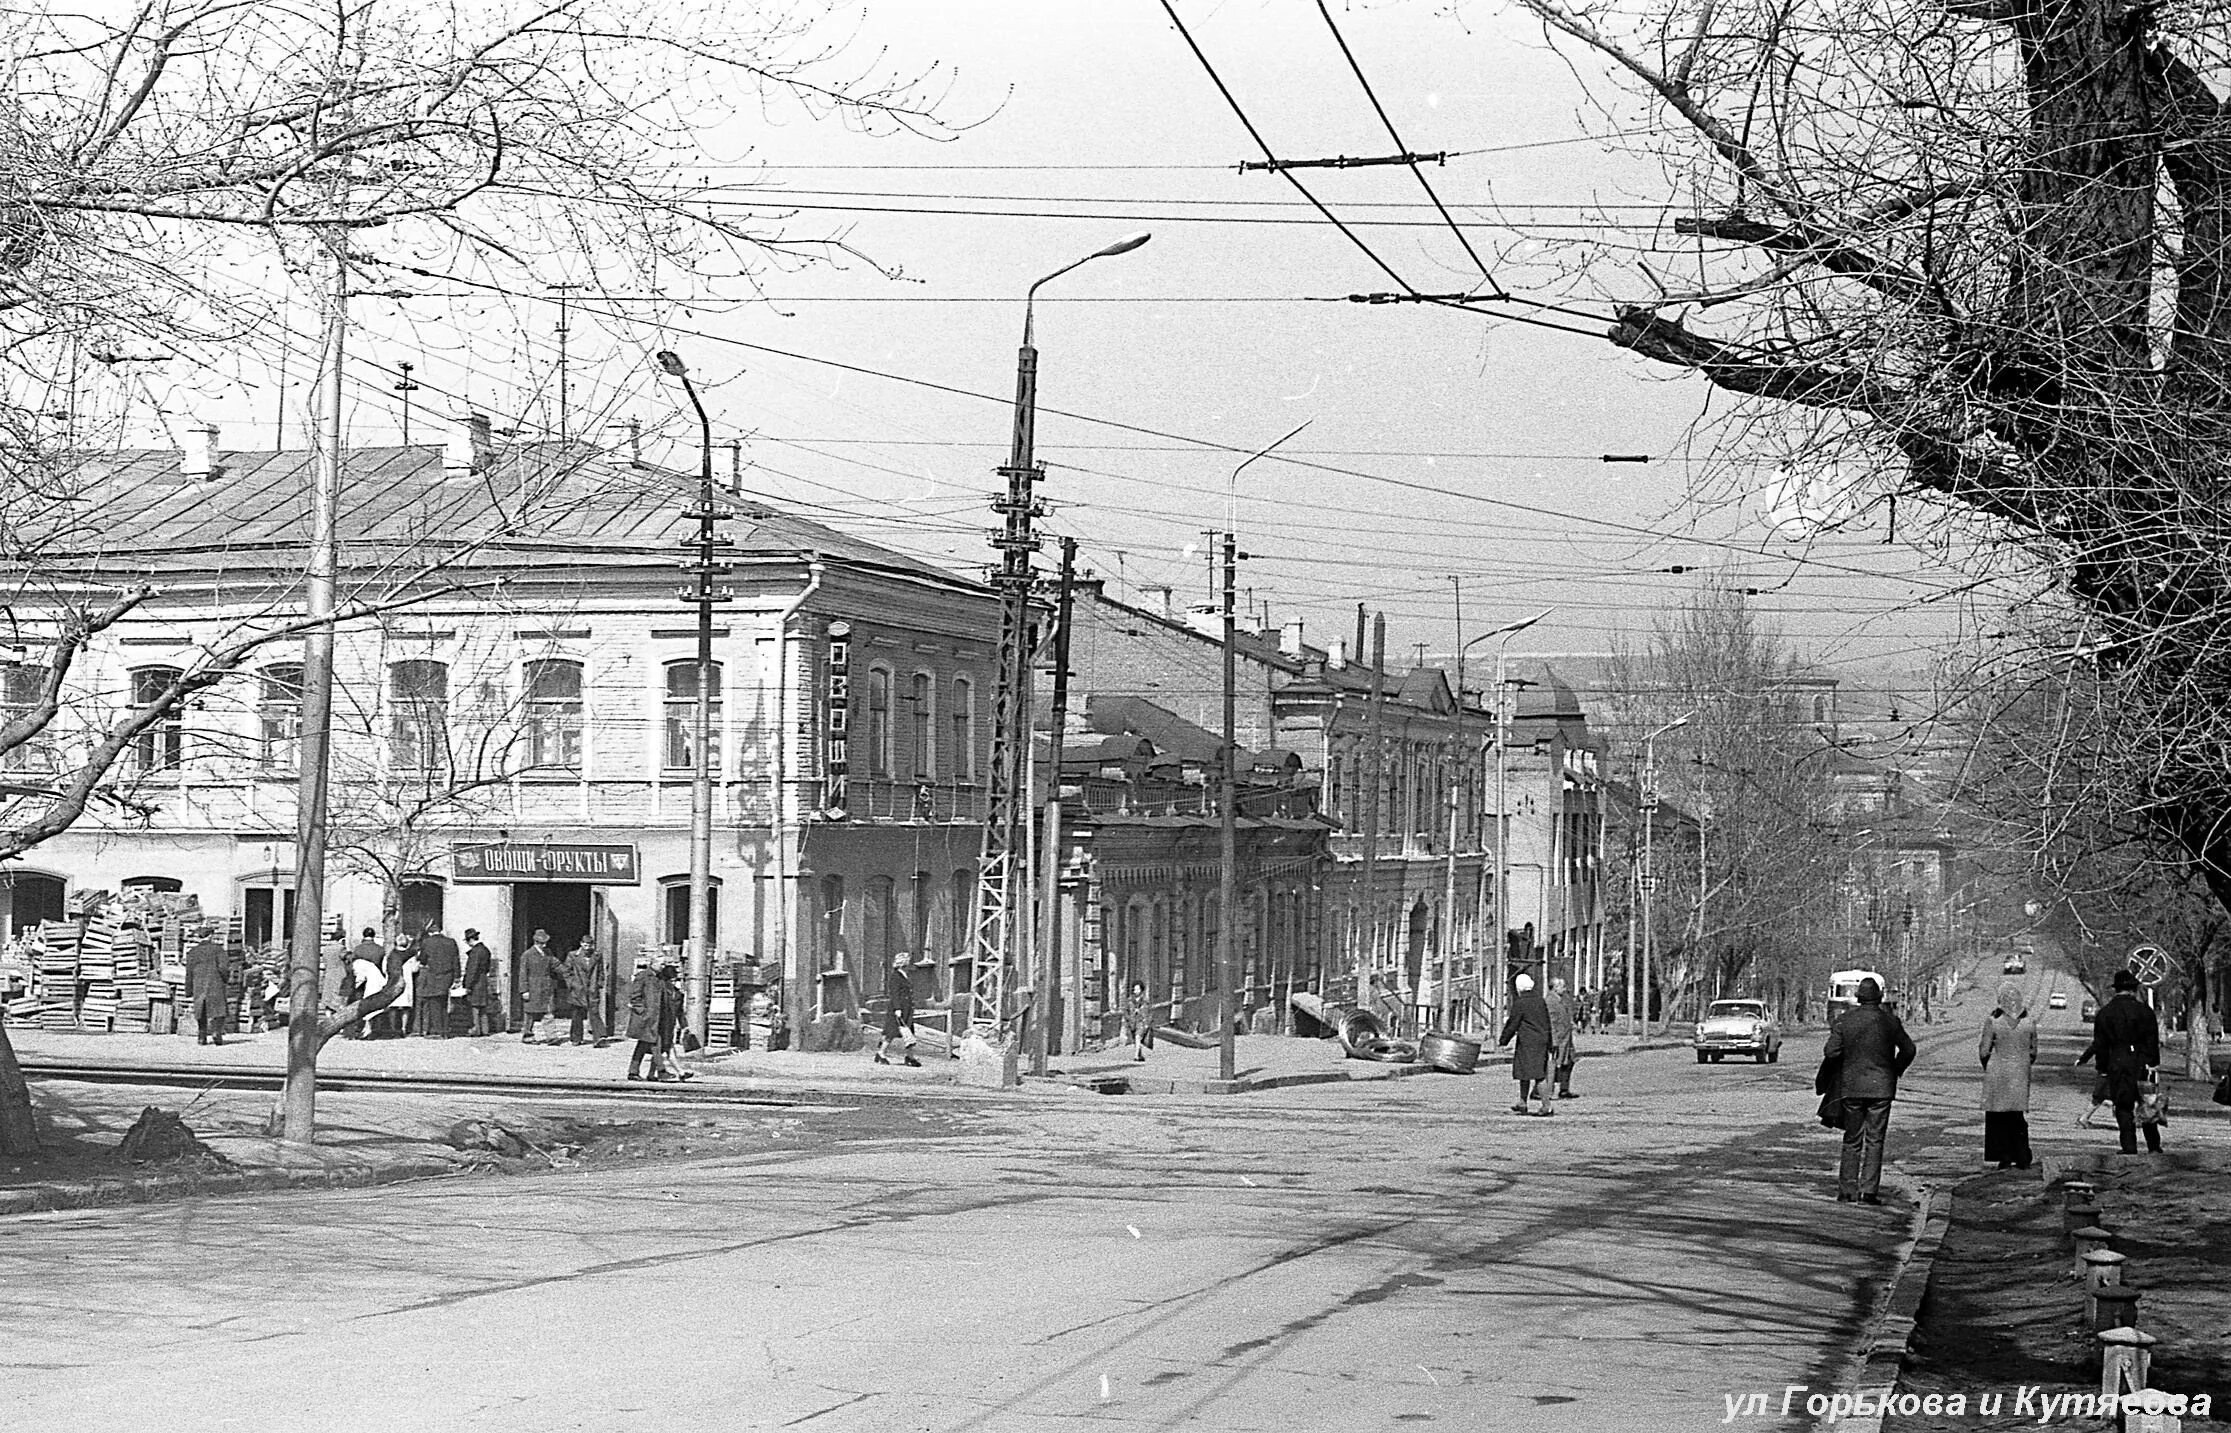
{"x":278,"y":718}
{"x":961,"y":765}
{"x":547,"y":721}
{"x":683,"y":709}
{"x":166,"y":737}
{"x":418,"y":717}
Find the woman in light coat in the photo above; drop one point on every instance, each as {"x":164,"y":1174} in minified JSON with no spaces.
{"x":2008,"y":1048}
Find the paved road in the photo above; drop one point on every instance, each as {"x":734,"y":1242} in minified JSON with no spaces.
{"x":1336,"y":1257}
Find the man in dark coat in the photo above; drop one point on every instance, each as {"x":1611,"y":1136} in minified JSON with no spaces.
{"x":898,"y":1013}
{"x":480,"y":983}
{"x":1871,"y":1049}
{"x":585,"y":987}
{"x":439,"y":967}
{"x":2126,"y":1040}
{"x":1529,"y":1025}
{"x":205,"y":988}
{"x":654,"y":1013}
{"x":538,"y":972}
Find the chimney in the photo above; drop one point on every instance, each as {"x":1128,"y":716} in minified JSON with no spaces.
{"x":197,"y":461}
{"x":735,"y":447}
{"x":1289,"y":639}
{"x":470,"y":449}
{"x":1337,"y":657}
{"x":1360,"y":649}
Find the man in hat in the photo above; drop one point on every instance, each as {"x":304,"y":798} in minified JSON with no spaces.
{"x":1871,"y":1049}
{"x":205,"y":987}
{"x":654,"y":1012}
{"x":480,"y":983}
{"x":439,"y":969}
{"x":2126,"y":1040}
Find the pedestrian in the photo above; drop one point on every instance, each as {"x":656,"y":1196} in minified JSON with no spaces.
{"x":440,"y":965}
{"x":2008,"y":1048}
{"x":402,"y":965}
{"x":480,"y":984}
{"x":1138,"y":1026}
{"x":898,"y":1013}
{"x":654,"y":1012}
{"x":368,"y":970}
{"x":1528,"y":1024}
{"x":580,"y":974}
{"x":2126,"y":1040}
{"x":597,"y":981}
{"x":205,"y":987}
{"x":538,"y":970}
{"x":1871,"y":1049}
{"x":1563,"y":1054}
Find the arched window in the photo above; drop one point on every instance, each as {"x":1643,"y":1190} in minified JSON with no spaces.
{"x":681,"y":715}
{"x":551,"y":713}
{"x":879,"y":722}
{"x":962,"y":915}
{"x":923,"y":717}
{"x":163,"y":744}
{"x":960,"y":759}
{"x":279,"y":717}
{"x":418,"y":714}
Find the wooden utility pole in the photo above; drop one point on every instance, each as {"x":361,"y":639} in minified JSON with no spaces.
{"x":1045,"y":980}
{"x":1374,"y":774}
{"x":305,"y":956}
{"x":1227,"y":900}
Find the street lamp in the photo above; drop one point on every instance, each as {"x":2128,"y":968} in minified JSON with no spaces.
{"x":1498,"y":944}
{"x":1649,"y":882}
{"x":697,"y":979}
{"x":1011,"y":754}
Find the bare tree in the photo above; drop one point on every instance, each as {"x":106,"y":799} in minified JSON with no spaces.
{"x":2043,"y":786}
{"x":1747,"y":766}
{"x":1973,"y":252}
{"x":173,"y":172}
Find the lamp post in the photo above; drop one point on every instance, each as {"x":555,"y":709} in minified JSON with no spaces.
{"x":1498,"y":941}
{"x":1009,"y":935}
{"x":698,"y":954}
{"x":1649,"y":882}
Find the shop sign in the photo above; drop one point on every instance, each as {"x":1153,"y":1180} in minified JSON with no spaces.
{"x":547,"y":861}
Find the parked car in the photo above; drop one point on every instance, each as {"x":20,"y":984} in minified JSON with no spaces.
{"x":2090,"y":1011}
{"x":2056,"y":1001}
{"x":2014,"y":966}
{"x":1738,"y":1027}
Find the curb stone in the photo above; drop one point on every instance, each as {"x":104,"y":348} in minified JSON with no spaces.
{"x":1882,"y":1359}
{"x":158,"y":1188}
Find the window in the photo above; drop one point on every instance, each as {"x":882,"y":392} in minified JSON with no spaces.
{"x":22,"y":686}
{"x":681,"y":715}
{"x":879,"y":722}
{"x":961,"y":761}
{"x":163,"y":744}
{"x":962,"y":914}
{"x":418,"y":714}
{"x":279,"y":715}
{"x":552,"y":713}
{"x":674,"y":906}
{"x":924,"y":714}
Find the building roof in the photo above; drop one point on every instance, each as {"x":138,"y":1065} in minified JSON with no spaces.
{"x":529,"y":501}
{"x":1135,"y":716}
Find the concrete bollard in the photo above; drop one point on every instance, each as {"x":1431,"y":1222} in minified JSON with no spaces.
{"x":2113,"y":1306}
{"x":2089,"y":1240}
{"x":2101,"y":1266}
{"x":2078,"y":1191}
{"x":2125,"y":1359}
{"x":2079,"y":1216}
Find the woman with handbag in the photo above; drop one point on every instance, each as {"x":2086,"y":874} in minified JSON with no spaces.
{"x":2008,"y":1048}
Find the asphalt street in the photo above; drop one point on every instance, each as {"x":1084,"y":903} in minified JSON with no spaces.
{"x":1332,"y":1257}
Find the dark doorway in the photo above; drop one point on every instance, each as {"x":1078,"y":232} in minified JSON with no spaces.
{"x":422,"y":906}
{"x":33,"y":898}
{"x":268,"y":915}
{"x":562,"y":910}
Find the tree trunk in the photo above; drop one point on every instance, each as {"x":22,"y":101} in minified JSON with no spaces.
{"x":19,"y":1126}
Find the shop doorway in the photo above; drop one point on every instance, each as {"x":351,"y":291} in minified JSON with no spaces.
{"x":560,"y":908}
{"x":33,"y":898}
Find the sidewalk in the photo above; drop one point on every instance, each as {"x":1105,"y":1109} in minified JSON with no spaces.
{"x":1263,"y":1062}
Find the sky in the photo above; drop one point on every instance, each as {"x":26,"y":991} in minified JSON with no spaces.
{"x":873,"y":391}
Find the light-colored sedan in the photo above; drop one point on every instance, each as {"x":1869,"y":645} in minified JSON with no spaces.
{"x":1738,"y":1027}
{"x":2056,"y":1001}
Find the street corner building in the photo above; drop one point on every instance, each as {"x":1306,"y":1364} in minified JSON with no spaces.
{"x":515,"y":687}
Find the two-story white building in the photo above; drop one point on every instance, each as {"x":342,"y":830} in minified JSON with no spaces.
{"x":513,"y":710}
